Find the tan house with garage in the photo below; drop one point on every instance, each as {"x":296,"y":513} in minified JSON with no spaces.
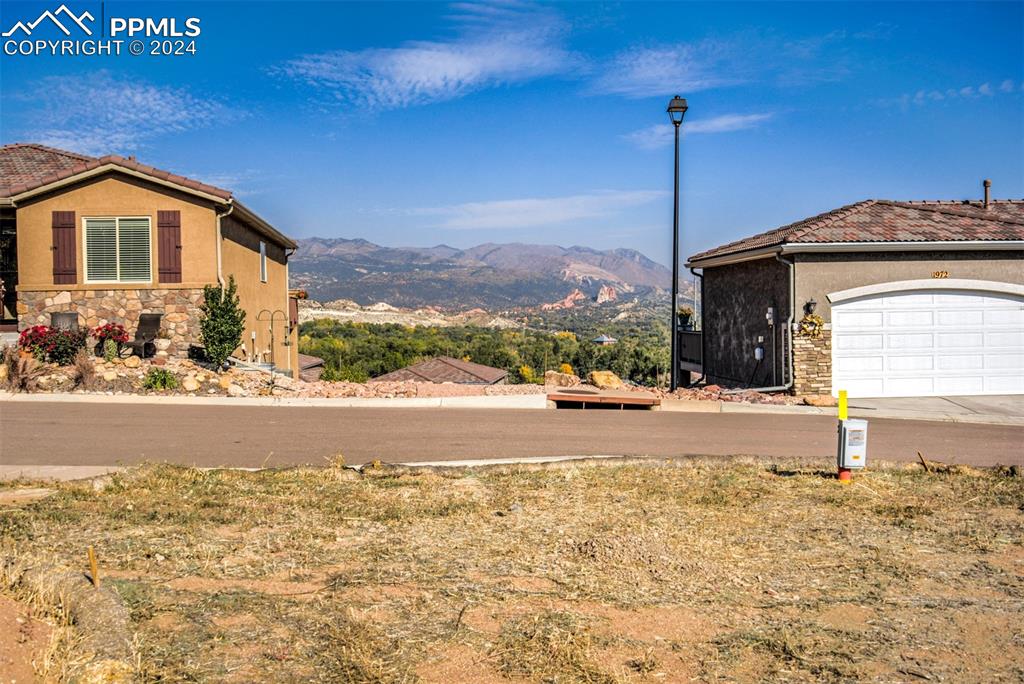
{"x":110,"y":239}
{"x":880,"y":298}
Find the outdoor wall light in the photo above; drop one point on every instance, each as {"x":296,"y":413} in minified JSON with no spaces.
{"x":810,"y":306}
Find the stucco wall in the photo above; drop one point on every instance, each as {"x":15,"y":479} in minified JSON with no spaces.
{"x":736,"y":298}
{"x":242,"y":259}
{"x":111,"y":196}
{"x":819,"y":274}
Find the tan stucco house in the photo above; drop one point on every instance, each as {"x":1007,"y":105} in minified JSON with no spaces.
{"x":880,"y":298}
{"x":110,"y":238}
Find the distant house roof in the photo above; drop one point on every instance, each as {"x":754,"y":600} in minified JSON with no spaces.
{"x":446,"y":369}
{"x":884,"y":221}
{"x":603,"y":339}
{"x":306,"y":362}
{"x":29,"y":167}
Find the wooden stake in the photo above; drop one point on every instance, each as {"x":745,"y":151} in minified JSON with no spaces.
{"x":927,"y":468}
{"x":94,"y":568}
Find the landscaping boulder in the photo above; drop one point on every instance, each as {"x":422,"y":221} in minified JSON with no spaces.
{"x":110,"y":376}
{"x":604,"y":380}
{"x":820,"y":400}
{"x":225,"y":382}
{"x":190,"y":384}
{"x":132,"y":362}
{"x":557,"y":379}
{"x":236,"y":391}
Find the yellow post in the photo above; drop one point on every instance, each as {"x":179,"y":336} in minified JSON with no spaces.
{"x":844,"y":474}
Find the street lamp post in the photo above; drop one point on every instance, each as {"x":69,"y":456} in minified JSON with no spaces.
{"x":676,"y":110}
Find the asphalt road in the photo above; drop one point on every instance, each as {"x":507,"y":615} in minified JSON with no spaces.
{"x":112,"y":434}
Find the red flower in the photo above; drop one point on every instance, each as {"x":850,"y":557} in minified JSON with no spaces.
{"x":110,"y":331}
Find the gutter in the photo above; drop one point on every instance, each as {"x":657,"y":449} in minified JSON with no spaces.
{"x":220,"y":239}
{"x":261,"y":226}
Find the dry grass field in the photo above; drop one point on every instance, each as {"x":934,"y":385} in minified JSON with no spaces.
{"x":643,"y":572}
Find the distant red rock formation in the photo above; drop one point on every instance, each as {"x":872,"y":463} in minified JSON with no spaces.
{"x":607,"y":293}
{"x":567,"y":303}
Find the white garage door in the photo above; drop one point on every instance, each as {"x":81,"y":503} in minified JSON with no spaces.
{"x":929,"y":343}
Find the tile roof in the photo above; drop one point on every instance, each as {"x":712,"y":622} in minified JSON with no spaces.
{"x":446,"y":369}
{"x":306,"y":361}
{"x":27,"y":166}
{"x":890,"y":221}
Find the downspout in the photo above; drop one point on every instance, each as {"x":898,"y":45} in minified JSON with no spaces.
{"x":790,"y":321}
{"x":703,"y":342}
{"x":789,"y":335}
{"x":220,"y":259}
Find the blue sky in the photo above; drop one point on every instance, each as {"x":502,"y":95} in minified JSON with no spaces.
{"x":427,"y":123}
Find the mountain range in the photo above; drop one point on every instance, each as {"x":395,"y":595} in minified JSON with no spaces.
{"x":490,"y":276}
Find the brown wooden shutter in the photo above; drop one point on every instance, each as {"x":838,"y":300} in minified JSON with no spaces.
{"x":168,"y":248}
{"x":293,"y":311}
{"x":65,"y":253}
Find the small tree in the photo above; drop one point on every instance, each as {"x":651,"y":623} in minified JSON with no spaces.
{"x":223,"y":322}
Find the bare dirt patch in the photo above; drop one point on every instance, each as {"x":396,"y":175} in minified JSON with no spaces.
{"x":648,"y":572}
{"x":23,"y":642}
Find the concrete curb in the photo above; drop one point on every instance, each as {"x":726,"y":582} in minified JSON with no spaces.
{"x":54,"y":472}
{"x":513,"y":401}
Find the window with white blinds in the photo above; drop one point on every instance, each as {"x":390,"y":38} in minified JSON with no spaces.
{"x":118,"y":250}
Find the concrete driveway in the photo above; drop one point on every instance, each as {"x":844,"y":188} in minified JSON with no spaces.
{"x":964,"y":408}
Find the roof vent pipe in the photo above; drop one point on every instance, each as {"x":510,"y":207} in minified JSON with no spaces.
{"x":988,"y":191}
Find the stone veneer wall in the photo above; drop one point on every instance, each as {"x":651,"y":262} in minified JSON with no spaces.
{"x":179,"y":326}
{"x":812,"y":363}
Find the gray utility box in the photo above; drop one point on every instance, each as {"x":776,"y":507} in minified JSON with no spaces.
{"x":853,"y":443}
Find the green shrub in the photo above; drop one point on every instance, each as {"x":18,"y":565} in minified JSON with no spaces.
{"x":109,"y":350}
{"x":344,"y":374}
{"x":160,"y":379}
{"x":223,"y":322}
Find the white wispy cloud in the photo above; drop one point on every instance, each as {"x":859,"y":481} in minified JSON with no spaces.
{"x":660,"y":135}
{"x":494,"y":44}
{"x":538,"y":212}
{"x":99,"y":113}
{"x":643,"y":71}
{"x":968,"y":92}
{"x":646,"y":71}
